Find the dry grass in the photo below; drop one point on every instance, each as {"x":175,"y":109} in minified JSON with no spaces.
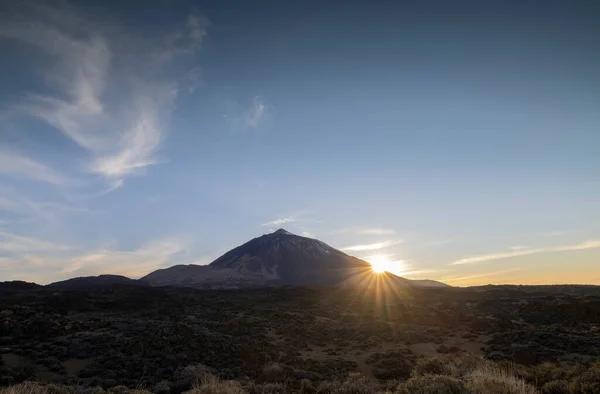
{"x":25,"y":388}
{"x":210,"y":384}
{"x":458,"y":375}
{"x":488,"y":379}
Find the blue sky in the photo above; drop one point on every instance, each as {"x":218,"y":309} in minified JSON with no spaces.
{"x":456,"y":142}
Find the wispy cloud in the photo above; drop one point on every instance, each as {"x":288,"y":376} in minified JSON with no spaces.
{"x":372,"y":246}
{"x":519,"y":247}
{"x":51,"y":262}
{"x":16,"y":243}
{"x":185,"y":40}
{"x":112,"y":92}
{"x":280,"y":221}
{"x":136,"y":263}
{"x":365,"y":231}
{"x":255,"y":114}
{"x":489,"y":275}
{"x":556,"y":233}
{"x":526,"y":252}
{"x":21,"y":166}
{"x":194,"y":79}
{"x":420,"y":273}
{"x":140,"y":142}
{"x":28,"y":209}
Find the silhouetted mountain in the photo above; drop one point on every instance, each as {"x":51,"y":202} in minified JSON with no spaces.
{"x":18,"y":285}
{"x":279,"y":258}
{"x":101,"y":280}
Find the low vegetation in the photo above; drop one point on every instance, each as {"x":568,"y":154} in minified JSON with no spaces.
{"x":124,"y":339}
{"x":459,"y":375}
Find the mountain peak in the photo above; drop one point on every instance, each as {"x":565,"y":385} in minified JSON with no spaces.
{"x":282,"y":231}
{"x":277,"y":258}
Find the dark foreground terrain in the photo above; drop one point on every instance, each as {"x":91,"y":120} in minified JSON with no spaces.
{"x":329,"y":340}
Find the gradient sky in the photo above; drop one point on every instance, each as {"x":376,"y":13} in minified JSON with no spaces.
{"x":459,"y":140}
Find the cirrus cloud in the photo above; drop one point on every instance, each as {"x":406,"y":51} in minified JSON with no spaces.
{"x":110,"y":91}
{"x":372,"y":246}
{"x":526,"y":252}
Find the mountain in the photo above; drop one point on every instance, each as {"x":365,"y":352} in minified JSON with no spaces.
{"x":18,"y":285}
{"x":92,"y":281}
{"x":279,"y":258}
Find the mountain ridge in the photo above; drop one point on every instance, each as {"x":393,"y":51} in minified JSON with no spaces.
{"x":83,"y":282}
{"x":275,"y":259}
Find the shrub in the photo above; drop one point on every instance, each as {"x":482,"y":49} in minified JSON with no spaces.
{"x":556,"y":387}
{"x":267,"y":388}
{"x":119,"y":390}
{"x":25,"y":388}
{"x":273,"y":372}
{"x":392,"y":368}
{"x":431,"y":366}
{"x":588,"y":382}
{"x":190,"y":376}
{"x":162,"y":387}
{"x":307,"y":387}
{"x":212,"y":385}
{"x":490,"y":380}
{"x":544,"y":373}
{"x":356,"y":383}
{"x":466,"y":363}
{"x":432,"y":384}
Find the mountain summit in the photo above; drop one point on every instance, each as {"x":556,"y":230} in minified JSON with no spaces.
{"x":291,"y":259}
{"x":278,"y":258}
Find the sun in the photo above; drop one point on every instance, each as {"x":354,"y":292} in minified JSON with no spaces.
{"x":379,"y":263}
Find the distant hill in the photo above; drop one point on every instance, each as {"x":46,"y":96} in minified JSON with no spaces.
{"x":18,"y":285}
{"x":279,"y":258}
{"x":92,"y":281}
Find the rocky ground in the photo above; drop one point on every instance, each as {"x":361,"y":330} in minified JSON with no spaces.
{"x":147,"y":337}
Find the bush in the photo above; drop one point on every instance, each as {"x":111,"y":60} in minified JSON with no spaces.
{"x":489,"y":380}
{"x":356,"y":383}
{"x":190,"y":376}
{"x":25,"y":388}
{"x":431,"y":366}
{"x":273,"y":372}
{"x":212,"y":385}
{"x":392,"y":368}
{"x":545,"y":373}
{"x":588,"y":382}
{"x":307,"y":387}
{"x":267,"y":388}
{"x":162,"y":387}
{"x":556,"y":387}
{"x":432,"y":384}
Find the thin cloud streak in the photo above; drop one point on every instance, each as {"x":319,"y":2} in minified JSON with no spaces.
{"x":18,"y":165}
{"x":454,"y":279}
{"x":254,"y":116}
{"x":29,"y":210}
{"x":526,"y":252}
{"x":280,"y":221}
{"x":423,"y":272}
{"x":57,"y":265}
{"x":122,"y":138}
{"x":11,"y":243}
{"x":519,"y":247}
{"x":372,"y":246}
{"x":365,"y":231}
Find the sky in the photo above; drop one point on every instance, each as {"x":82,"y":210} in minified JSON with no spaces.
{"x":456,"y":141}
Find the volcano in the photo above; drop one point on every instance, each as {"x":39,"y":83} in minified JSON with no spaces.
{"x":276,"y":259}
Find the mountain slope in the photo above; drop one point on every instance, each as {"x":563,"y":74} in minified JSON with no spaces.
{"x":92,"y":281}
{"x":18,"y":285}
{"x":279,"y":258}
{"x":291,"y":259}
